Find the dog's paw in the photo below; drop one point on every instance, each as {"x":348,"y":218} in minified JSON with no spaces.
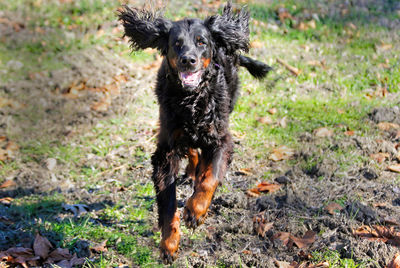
{"x":167,"y":257}
{"x":170,"y":240}
{"x":196,"y":211}
{"x":191,"y":220}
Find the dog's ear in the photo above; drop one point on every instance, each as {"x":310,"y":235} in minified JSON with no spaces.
{"x":145,"y":28}
{"x":230,"y":30}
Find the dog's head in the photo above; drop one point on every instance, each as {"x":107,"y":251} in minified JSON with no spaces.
{"x":188,"y":44}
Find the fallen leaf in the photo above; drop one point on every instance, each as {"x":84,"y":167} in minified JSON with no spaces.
{"x":8,"y":149}
{"x":6,"y":200}
{"x":7,"y":183}
{"x":290,"y":68}
{"x":282,"y":122}
{"x":332,"y":207}
{"x":281,"y":153}
{"x":395,"y":263}
{"x":59,"y":254}
{"x":266,"y":120}
{"x":324,"y":264}
{"x":349,"y":133}
{"x":19,"y":255}
{"x":256,"y":44}
{"x":244,"y":171}
{"x":383,"y":46}
{"x":41,"y":246}
{"x":305,"y":241}
{"x":4,"y":102}
{"x":268,"y":187}
{"x":284,"y":264}
{"x":101,"y":247}
{"x":273,"y":110}
{"x":301,"y":26}
{"x":253,"y":192}
{"x":385,"y":126}
{"x":284,"y":237}
{"x":288,"y":239}
{"x":323,"y":132}
{"x":103,"y":104}
{"x":379,"y":205}
{"x":312,"y":24}
{"x":51,"y":163}
{"x":394,"y":168}
{"x":378,"y":233}
{"x":283,"y":14}
{"x":380,"y":157}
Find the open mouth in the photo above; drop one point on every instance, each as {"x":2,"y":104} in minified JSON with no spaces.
{"x":190,"y":79}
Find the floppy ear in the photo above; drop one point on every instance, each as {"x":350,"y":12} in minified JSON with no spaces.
{"x":145,"y":28}
{"x":230,"y":30}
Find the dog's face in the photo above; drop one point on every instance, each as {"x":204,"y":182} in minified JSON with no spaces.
{"x":188,"y":44}
{"x":189,"y":50}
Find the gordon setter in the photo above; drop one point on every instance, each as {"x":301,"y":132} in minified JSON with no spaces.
{"x":197,"y":87}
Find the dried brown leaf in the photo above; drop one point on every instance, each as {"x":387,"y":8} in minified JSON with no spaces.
{"x":101,"y":247}
{"x":323,"y":132}
{"x":282,"y":122}
{"x":284,"y":264}
{"x":394,"y":168}
{"x":59,"y":254}
{"x":384,"y":46}
{"x":256,"y":44}
{"x":281,"y":153}
{"x":331,"y":207}
{"x":282,"y":236}
{"x":308,"y":238}
{"x":253,"y":192}
{"x":103,"y":104}
{"x":378,"y":233}
{"x":42,"y":246}
{"x":273,"y":110}
{"x":7,"y":183}
{"x":261,"y":226}
{"x":265,"y":120}
{"x":385,"y":126}
{"x":380,"y":157}
{"x":349,"y":133}
{"x":6,"y":200}
{"x":244,"y":171}
{"x":268,"y":187}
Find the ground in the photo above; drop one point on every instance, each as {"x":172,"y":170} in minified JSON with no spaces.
{"x":78,"y":126}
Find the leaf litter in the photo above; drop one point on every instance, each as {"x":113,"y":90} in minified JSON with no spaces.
{"x":42,"y":253}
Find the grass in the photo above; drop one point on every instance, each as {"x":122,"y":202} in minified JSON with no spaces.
{"x":334,"y":259}
{"x":332,"y":96}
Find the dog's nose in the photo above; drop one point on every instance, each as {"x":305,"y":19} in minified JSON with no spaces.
{"x":188,"y":60}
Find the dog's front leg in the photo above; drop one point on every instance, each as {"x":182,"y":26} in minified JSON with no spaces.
{"x":212,"y":168}
{"x":165,"y":168}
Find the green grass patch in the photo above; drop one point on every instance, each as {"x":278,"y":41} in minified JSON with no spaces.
{"x":335,"y":260}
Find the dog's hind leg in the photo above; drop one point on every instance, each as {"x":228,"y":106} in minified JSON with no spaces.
{"x":165,"y":168}
{"x":212,"y":169}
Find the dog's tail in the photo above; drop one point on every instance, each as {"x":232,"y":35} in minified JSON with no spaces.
{"x":256,"y":68}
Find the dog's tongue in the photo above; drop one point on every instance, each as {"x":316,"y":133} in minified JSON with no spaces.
{"x":190,"y":79}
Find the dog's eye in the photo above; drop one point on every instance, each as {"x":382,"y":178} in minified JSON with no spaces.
{"x":178,"y":43}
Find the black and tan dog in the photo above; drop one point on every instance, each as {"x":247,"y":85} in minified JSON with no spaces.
{"x":197,"y":87}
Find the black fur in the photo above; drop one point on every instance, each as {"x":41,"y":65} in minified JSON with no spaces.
{"x":197,"y":87}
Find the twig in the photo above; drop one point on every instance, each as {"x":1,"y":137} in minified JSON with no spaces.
{"x":292,"y":69}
